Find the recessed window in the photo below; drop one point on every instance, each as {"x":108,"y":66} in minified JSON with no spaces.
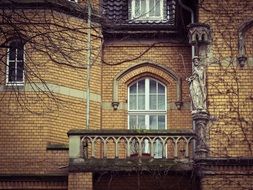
{"x":15,"y":63}
{"x":147,"y":9}
{"x":147,"y":108}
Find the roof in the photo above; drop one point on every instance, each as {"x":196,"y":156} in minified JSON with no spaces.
{"x":68,"y":7}
{"x":117,"y":13}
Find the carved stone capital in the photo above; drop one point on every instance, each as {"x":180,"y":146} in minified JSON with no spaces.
{"x":179,"y":104}
{"x":201,"y":116}
{"x":115,"y":105}
{"x":242,"y":60}
{"x":199,"y":33}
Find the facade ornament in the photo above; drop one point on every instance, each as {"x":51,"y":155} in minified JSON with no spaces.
{"x":115,"y":105}
{"x":199,"y":33}
{"x":199,"y":36}
{"x":242,"y":60}
{"x":241,"y":42}
{"x":197,"y":83}
{"x":179,"y":104}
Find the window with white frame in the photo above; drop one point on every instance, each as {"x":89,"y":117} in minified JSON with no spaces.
{"x":74,"y":0}
{"x":147,"y":107}
{"x":147,"y":9}
{"x":15,"y":63}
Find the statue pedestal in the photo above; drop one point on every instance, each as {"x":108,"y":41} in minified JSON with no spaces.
{"x":201,"y":119}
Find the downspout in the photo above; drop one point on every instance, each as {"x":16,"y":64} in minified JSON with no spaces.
{"x":192,"y":20}
{"x":88,"y":66}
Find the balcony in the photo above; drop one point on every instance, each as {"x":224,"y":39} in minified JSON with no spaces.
{"x":130,"y":150}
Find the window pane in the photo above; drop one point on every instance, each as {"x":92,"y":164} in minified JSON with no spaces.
{"x":20,"y":69}
{"x":141,"y":122}
{"x":153,"y":121}
{"x":132,"y":102}
{"x":137,"y":8}
{"x":151,"y":8}
{"x":152,"y":102}
{"x":133,"y":88}
{"x":161,"y":122}
{"x":141,"y":102}
{"x":152,"y":86}
{"x":12,"y":53}
{"x":132,"y":121}
{"x":11,"y":76}
{"x":157,"y":8}
{"x":161,"y":88}
{"x":141,"y":86}
{"x":143,"y":8}
{"x":161,"y":102}
{"x":20,"y":52}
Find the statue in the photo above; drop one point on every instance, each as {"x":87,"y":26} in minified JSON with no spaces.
{"x":197,"y":84}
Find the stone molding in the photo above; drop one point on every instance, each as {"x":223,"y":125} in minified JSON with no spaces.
{"x":172,"y":74}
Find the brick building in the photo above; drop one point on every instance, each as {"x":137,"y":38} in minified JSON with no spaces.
{"x":106,"y":104}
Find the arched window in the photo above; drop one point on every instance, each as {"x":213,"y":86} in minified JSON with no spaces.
{"x":147,"y":106}
{"x":15,"y":63}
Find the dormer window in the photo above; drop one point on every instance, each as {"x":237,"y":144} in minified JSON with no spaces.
{"x":147,"y":9}
{"x":139,"y":15}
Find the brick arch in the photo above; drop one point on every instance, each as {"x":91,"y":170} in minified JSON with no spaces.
{"x":128,"y":80}
{"x":161,"y":71}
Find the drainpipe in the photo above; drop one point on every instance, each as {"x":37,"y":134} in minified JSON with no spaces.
{"x":192,"y":20}
{"x":88,"y":66}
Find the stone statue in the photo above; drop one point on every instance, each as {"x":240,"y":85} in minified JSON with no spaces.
{"x":197,"y":84}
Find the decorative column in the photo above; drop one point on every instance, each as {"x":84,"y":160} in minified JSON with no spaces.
{"x":199,"y":37}
{"x":201,"y":119}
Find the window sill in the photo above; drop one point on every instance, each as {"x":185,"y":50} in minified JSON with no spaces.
{"x":14,"y":86}
{"x":149,"y":21}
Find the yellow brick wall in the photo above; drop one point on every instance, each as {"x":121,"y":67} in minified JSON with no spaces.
{"x":33,"y":117}
{"x":175,"y":57}
{"x":227,"y":182}
{"x":23,"y":134}
{"x":229,"y":86}
{"x":80,"y":181}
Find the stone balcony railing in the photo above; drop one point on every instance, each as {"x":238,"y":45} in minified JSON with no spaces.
{"x":99,"y":150}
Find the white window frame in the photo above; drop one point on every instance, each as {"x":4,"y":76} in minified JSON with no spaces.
{"x":16,"y":61}
{"x":147,"y":16}
{"x":76,"y":1}
{"x":147,"y":111}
